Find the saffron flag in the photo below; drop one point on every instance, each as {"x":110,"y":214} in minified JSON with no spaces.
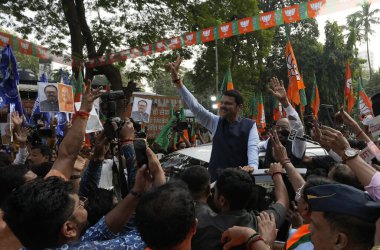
{"x":260,"y":119}
{"x":315,"y":100}
{"x":291,"y":14}
{"x":267,"y":20}
{"x":245,"y":25}
{"x":227,"y":82}
{"x":313,"y":7}
{"x":190,"y":38}
{"x":365,"y":104}
{"x":225,"y":30}
{"x":348,"y":89}
{"x":295,"y":79}
{"x":78,"y":87}
{"x":207,"y":34}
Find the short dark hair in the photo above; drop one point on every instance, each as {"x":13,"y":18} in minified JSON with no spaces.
{"x":314,"y":181}
{"x":236,"y":186}
{"x":343,"y":174}
{"x":50,"y":85}
{"x":36,"y":211}
{"x":143,"y":101}
{"x":45,"y":150}
{"x":100,"y":202}
{"x":11,"y":177}
{"x":358,"y":232}
{"x":197,"y":179}
{"x":236,"y":94}
{"x":165,"y":215}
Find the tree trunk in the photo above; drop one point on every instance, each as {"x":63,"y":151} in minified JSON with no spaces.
{"x":369,"y":60}
{"x":71,"y":16}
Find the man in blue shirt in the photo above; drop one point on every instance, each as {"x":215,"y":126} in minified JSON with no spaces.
{"x":235,"y":139}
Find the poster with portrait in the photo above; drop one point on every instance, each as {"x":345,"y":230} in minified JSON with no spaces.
{"x":48,"y":97}
{"x":141,"y":109}
{"x":65,"y":98}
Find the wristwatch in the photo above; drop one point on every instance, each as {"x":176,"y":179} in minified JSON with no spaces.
{"x":350,"y":153}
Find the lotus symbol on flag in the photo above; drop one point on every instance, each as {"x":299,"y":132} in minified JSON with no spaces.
{"x":112,"y":56}
{"x":225,"y":28}
{"x":292,"y":67}
{"x":160,"y":45}
{"x":244,"y":24}
{"x":42,"y":52}
{"x":189,"y":37}
{"x":266,"y":18}
{"x":349,"y":83}
{"x":206,"y":33}
{"x":316,"y":6}
{"x":290,"y":12}
{"x":174,"y":41}
{"x":146,"y":47}
{"x":25,"y":45}
{"x":4,"y":39}
{"x":102,"y":59}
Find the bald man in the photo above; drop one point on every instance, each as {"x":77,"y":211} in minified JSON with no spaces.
{"x":295,"y":149}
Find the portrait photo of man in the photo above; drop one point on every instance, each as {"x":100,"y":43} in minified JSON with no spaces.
{"x":141,"y":109}
{"x":48,"y":96}
{"x":66,"y":98}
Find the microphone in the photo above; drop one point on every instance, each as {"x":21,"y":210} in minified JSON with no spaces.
{"x":293,"y":135}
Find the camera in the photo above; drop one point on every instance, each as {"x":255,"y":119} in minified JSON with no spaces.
{"x":139,"y":132}
{"x":179,"y":125}
{"x":108,"y":108}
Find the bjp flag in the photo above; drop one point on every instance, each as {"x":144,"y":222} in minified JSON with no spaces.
{"x":190,"y":38}
{"x":315,"y":100}
{"x":175,"y":43}
{"x":207,"y":35}
{"x":348,"y":89}
{"x":5,"y":39}
{"x":245,"y":25}
{"x":225,"y":30}
{"x":295,"y":78}
{"x":147,"y":49}
{"x":267,"y":20}
{"x":25,"y":47}
{"x":314,"y":7}
{"x":291,"y":14}
{"x":160,"y":46}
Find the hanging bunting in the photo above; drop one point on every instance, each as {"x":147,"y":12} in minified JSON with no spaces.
{"x":265,"y":20}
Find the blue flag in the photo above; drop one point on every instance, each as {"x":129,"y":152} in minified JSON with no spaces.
{"x":8,"y":87}
{"x":36,"y":106}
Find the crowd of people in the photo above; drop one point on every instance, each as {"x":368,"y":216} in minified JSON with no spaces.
{"x":111,"y":195}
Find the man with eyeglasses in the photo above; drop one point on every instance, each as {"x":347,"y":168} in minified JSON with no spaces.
{"x":295,"y":149}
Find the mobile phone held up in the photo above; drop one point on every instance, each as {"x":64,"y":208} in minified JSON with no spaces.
{"x":140,"y":151}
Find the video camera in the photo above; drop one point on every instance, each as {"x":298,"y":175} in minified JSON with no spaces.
{"x":37,"y":132}
{"x":108,"y":107}
{"x":179,"y":125}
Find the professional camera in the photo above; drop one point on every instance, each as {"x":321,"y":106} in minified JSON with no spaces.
{"x":108,"y":108}
{"x":179,"y":125}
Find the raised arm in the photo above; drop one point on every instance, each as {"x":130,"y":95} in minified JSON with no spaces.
{"x":205,"y":117}
{"x":337,"y":142}
{"x":278,"y":91}
{"x":72,"y":143}
{"x":347,"y":119}
{"x":253,"y":148}
{"x":280,"y":192}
